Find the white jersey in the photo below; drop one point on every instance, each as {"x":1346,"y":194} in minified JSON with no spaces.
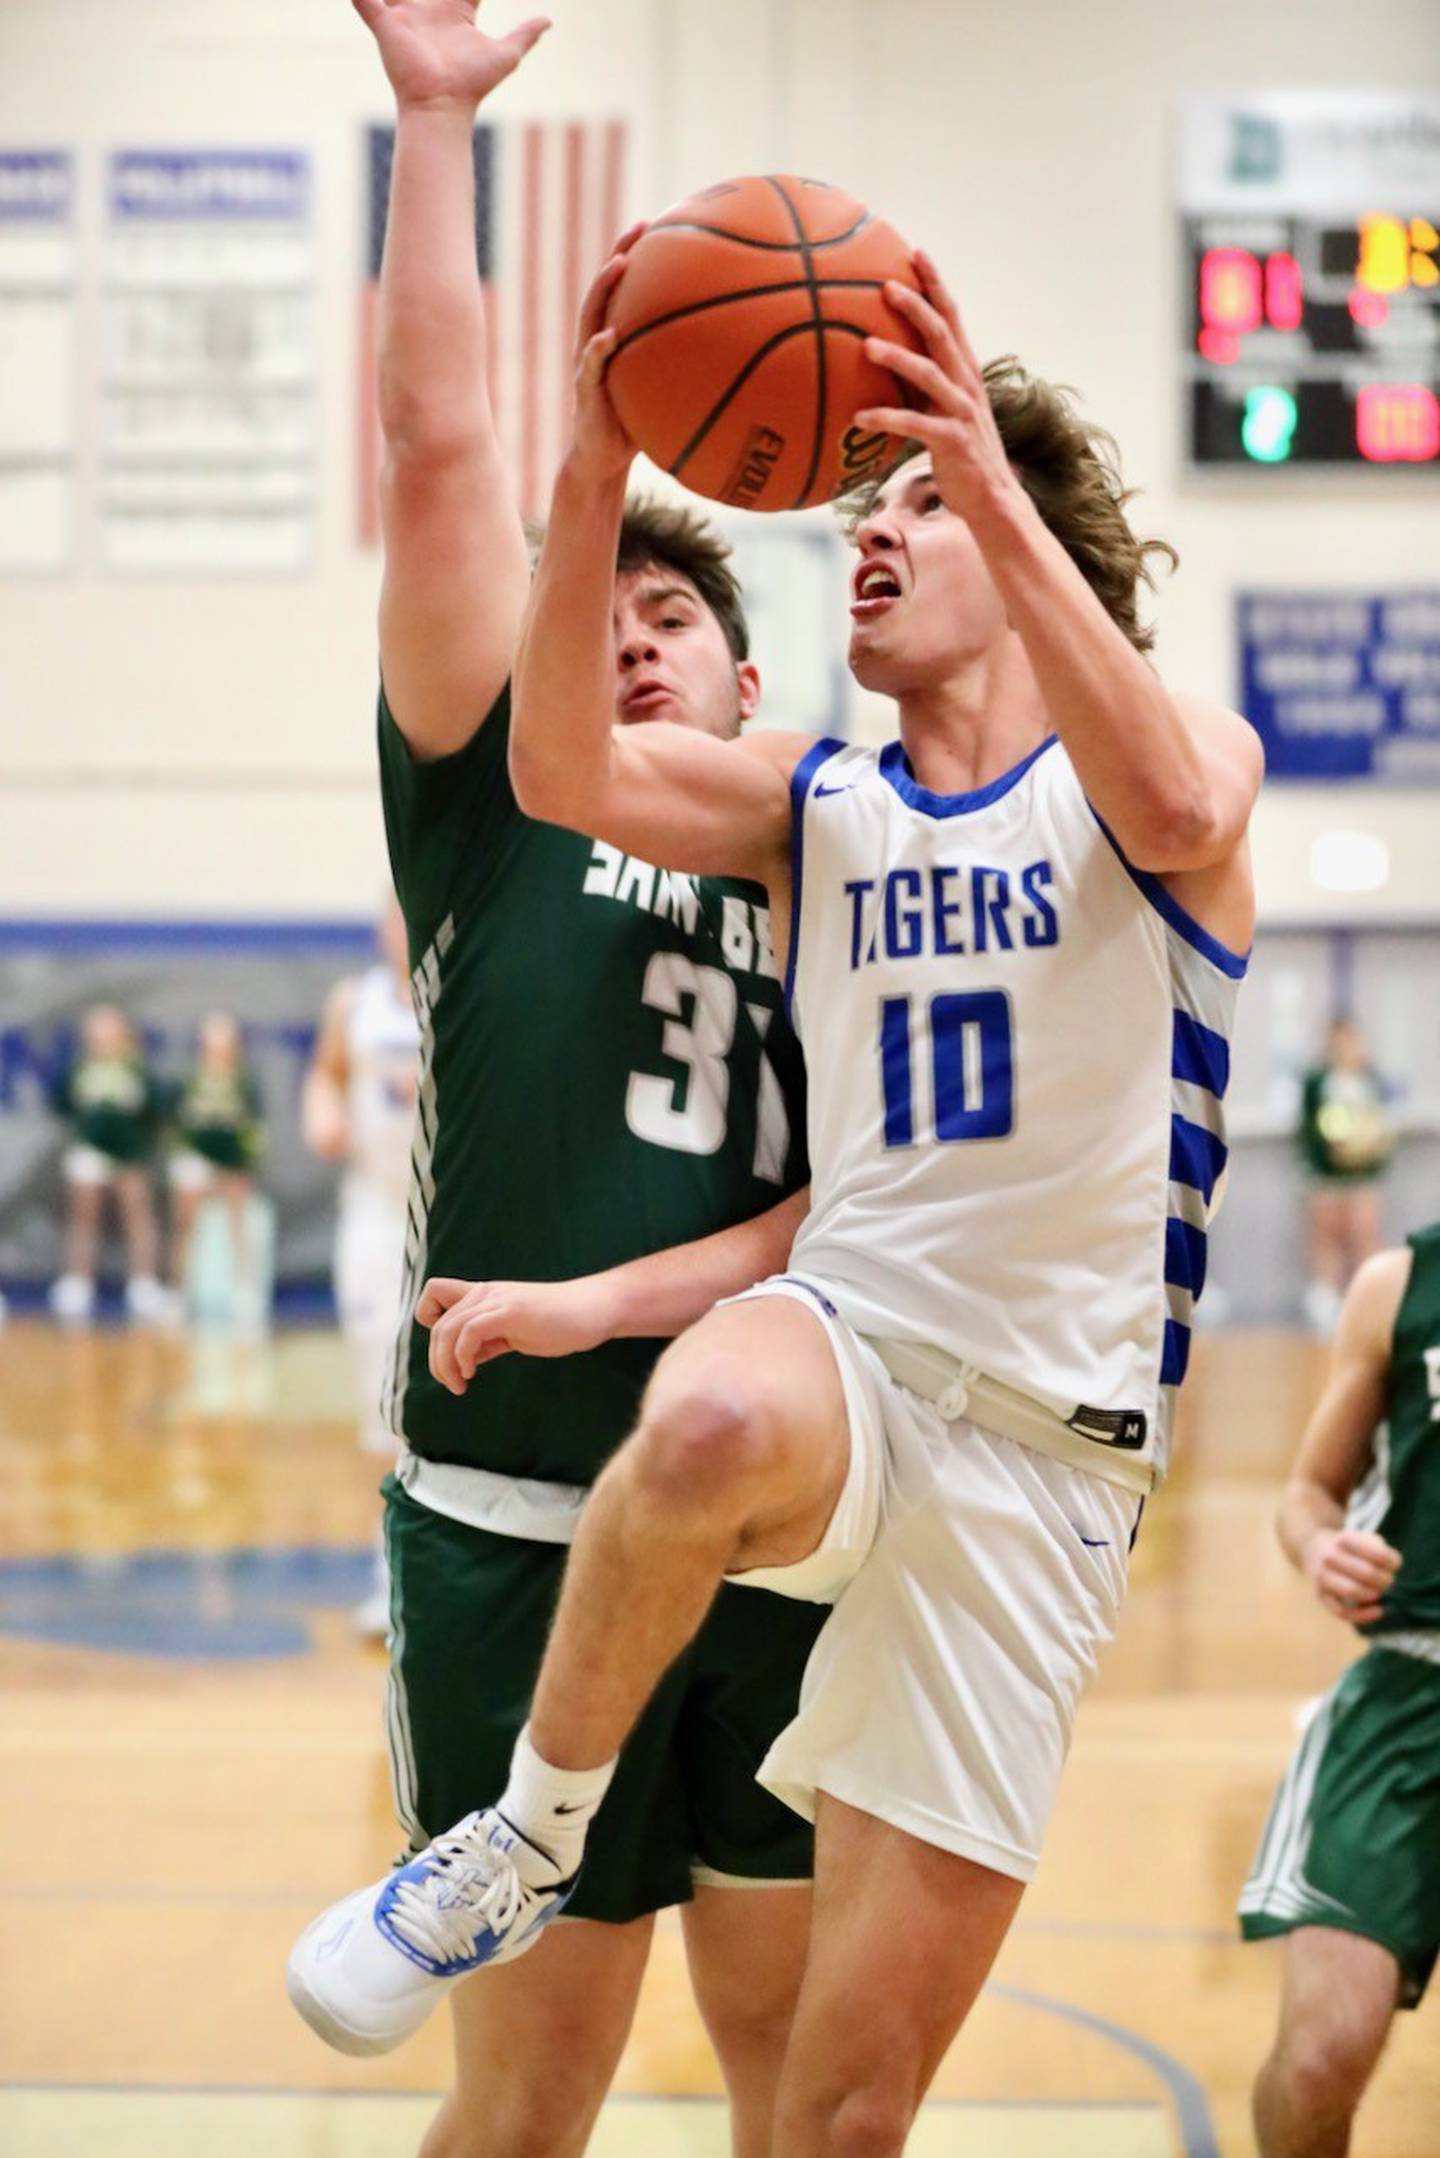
{"x":1018,"y":1049}
{"x":382,"y":1041}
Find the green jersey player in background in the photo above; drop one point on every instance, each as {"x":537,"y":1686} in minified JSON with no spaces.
{"x":605,"y":1072}
{"x":1349,"y":1864}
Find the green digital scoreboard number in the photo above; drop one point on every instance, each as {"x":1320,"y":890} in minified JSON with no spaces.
{"x":1310,"y":227}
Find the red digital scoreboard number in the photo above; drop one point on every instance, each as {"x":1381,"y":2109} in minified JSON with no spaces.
{"x":1397,"y":423}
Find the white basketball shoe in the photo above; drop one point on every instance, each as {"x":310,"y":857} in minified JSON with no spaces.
{"x":370,"y":1970}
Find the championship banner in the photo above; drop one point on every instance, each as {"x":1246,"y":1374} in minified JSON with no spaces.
{"x":549,"y":199}
{"x":1343,"y":685}
{"x":208,"y":363}
{"x":37,"y":372}
{"x":274,"y":977}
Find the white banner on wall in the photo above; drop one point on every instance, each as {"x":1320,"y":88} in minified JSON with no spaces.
{"x":208,"y":389}
{"x":37,"y":360}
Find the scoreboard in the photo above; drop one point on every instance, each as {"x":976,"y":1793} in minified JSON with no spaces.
{"x":1311,"y":245}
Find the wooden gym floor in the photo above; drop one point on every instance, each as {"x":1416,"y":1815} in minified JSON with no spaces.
{"x":191,"y":1766}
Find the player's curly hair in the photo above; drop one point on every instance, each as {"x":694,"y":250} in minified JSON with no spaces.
{"x":1071,"y":472}
{"x":671,"y":536}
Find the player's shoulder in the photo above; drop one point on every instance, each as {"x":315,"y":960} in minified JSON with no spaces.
{"x":1373,"y":1299}
{"x":779,"y":748}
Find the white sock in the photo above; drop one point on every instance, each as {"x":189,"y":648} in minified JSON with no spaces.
{"x":553,"y":1807}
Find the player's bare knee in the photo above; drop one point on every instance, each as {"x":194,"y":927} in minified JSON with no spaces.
{"x":1324,"y":2070}
{"x":871,"y":2121}
{"x":709,"y":1445}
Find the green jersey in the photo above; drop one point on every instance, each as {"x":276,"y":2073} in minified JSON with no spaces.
{"x":606,"y":1071}
{"x":1345,"y":1134}
{"x":113,"y":1104}
{"x":219,"y":1117}
{"x":1401,"y":1499}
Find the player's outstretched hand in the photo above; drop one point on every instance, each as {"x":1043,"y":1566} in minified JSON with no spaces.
{"x":434,"y":54}
{"x":951,"y":414}
{"x":472,"y":1322}
{"x":1350,"y":1572}
{"x":601,"y":450}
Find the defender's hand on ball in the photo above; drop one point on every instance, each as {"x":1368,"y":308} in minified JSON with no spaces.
{"x":434,"y":54}
{"x":472,"y":1322}
{"x":952,"y":417}
{"x":601,"y":450}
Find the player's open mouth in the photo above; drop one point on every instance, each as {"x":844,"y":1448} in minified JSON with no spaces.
{"x":645,"y":701}
{"x":875,"y":588}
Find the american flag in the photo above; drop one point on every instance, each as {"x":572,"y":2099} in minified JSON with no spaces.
{"x":548,"y":203}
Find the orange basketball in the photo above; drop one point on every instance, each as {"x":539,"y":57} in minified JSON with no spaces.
{"x":740,"y":361}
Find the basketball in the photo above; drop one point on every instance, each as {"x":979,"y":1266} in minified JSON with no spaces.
{"x":741,"y":321}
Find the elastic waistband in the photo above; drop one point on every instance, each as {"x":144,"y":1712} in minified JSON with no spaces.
{"x":521,"y":1506}
{"x":957,"y":1389}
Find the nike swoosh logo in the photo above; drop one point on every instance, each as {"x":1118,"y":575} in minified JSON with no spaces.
{"x":831,"y":790}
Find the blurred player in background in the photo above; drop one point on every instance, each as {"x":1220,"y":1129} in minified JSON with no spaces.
{"x":358,"y":1109}
{"x":1346,"y":1139}
{"x":219,"y":1133}
{"x":605,"y":1071}
{"x":1349,"y":1864}
{"x":114,"y":1106}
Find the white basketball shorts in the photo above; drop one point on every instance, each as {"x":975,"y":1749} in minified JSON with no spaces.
{"x":976,"y":1582}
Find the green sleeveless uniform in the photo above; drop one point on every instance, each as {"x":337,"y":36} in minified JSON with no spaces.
{"x":1355,"y":1828}
{"x":605,"y":1071}
{"x":113,"y":1105}
{"x":219,"y":1117}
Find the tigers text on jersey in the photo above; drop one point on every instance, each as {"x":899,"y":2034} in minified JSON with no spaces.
{"x":382,"y":1048}
{"x":1018,"y":1050}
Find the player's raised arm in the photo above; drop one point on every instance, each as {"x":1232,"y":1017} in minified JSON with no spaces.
{"x":673,"y":795}
{"x":1348,"y":1569}
{"x":456,"y":569}
{"x":1174,"y":779}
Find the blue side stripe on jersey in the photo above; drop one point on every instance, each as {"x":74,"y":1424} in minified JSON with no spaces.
{"x":1185,"y":1255}
{"x":1176,"y":1353}
{"x":895,"y":767}
{"x":1170,"y":910}
{"x":1201,"y":1056}
{"x":800,"y":782}
{"x":1196,"y":1156}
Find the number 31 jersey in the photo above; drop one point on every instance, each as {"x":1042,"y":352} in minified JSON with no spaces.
{"x":605,"y":1071}
{"x":1018,"y":1049}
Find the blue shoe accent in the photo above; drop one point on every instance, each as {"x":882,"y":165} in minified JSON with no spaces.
{"x":488,"y":1945}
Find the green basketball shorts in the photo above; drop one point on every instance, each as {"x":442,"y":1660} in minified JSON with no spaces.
{"x":1353,"y":1834}
{"x":471,"y":1614}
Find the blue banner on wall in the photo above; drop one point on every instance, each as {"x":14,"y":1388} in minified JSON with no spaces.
{"x":1343,"y":685}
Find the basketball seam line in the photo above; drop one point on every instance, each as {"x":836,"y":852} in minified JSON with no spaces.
{"x":767,"y":247}
{"x":817,"y":319}
{"x":748,"y":292}
{"x":796,"y":329}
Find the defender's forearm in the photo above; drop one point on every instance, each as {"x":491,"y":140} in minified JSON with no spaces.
{"x":1305,"y":1509}
{"x":564,"y":681}
{"x":657,"y":1297}
{"x":432,"y":352}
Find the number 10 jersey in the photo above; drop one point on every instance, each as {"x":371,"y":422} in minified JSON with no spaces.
{"x":1018,"y":1047}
